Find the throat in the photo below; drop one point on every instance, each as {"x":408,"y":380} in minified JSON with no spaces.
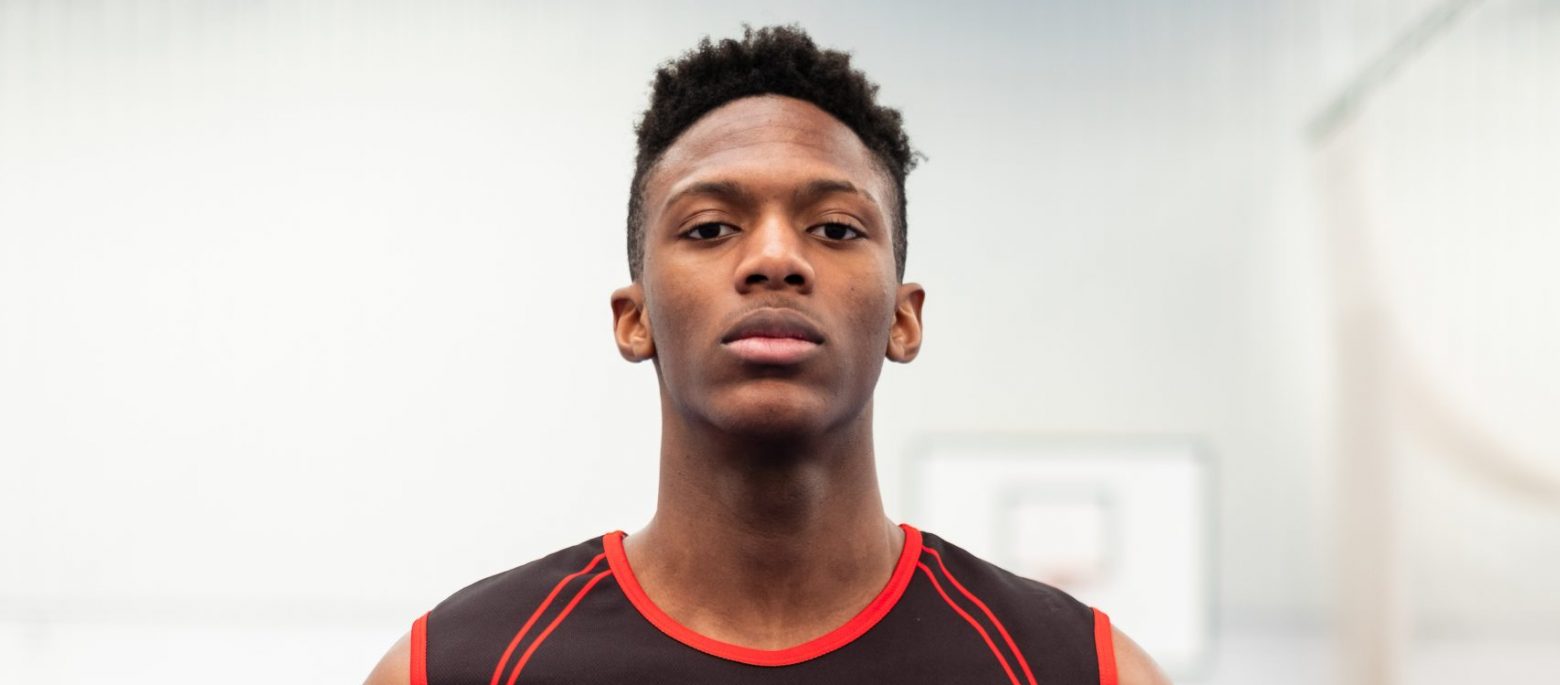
{"x":765,"y":543}
{"x":765,"y":592}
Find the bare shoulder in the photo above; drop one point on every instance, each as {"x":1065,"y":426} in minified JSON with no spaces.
{"x":396,"y":666}
{"x":1133,"y":665}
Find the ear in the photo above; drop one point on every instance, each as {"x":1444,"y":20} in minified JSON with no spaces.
{"x":904,"y":338}
{"x":631,"y":323}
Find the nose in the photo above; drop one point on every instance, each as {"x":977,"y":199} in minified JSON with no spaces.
{"x":774,"y":258}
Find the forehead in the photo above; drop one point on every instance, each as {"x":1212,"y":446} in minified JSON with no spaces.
{"x":765,"y":138}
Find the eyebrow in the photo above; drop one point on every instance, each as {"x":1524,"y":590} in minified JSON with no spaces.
{"x":732,"y":190}
{"x":816,"y":189}
{"x":721,"y":189}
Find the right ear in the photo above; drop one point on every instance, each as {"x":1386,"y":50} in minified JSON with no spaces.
{"x":631,"y":323}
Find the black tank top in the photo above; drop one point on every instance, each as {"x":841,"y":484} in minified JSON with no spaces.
{"x":578,"y":616}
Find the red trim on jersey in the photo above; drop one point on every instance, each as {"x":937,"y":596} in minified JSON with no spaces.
{"x":419,"y":668}
{"x":904,"y":569}
{"x":498,"y":670}
{"x":1022,"y":663}
{"x":559,"y":619}
{"x":973,"y":623}
{"x":1105,"y":647}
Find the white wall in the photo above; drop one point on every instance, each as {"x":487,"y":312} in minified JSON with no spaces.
{"x":303,"y":306}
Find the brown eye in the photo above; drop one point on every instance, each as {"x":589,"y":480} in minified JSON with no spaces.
{"x":708,"y":231}
{"x":835,"y":230}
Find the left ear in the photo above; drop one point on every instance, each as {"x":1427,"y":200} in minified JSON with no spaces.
{"x":904,"y":338}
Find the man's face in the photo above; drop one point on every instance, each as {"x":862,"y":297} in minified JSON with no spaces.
{"x":768,"y":297}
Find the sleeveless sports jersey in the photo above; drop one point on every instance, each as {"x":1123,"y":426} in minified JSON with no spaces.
{"x":578,"y":616}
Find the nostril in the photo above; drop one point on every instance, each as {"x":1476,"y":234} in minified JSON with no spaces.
{"x":795,"y":279}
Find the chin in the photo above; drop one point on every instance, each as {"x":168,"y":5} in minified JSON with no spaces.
{"x":777,"y":415}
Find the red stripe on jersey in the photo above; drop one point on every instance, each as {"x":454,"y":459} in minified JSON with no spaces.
{"x":863,"y":621}
{"x":561,"y":615}
{"x":419,"y":668}
{"x":498,"y":670}
{"x":1022,"y":663}
{"x":1105,"y":647}
{"x":983,"y":634}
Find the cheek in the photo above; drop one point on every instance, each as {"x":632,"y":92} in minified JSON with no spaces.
{"x":663,"y":320}
{"x":672,"y":305}
{"x":872,"y":315}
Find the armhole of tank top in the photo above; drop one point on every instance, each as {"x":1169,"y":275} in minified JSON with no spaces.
{"x":1104,"y":647}
{"x":419,"y":665}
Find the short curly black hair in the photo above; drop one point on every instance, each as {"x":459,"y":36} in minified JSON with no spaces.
{"x":777,"y":60}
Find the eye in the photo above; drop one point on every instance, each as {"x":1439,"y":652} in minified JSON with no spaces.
{"x":837,"y":230}
{"x":708,"y":231}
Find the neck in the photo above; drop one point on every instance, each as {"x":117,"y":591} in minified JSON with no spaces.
{"x":765,"y":543}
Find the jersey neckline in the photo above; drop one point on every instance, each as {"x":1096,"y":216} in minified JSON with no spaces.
{"x":857,"y":626}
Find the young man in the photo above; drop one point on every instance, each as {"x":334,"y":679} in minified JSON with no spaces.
{"x":766,"y":243}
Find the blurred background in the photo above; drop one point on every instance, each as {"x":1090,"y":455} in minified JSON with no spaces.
{"x":304,"y":319}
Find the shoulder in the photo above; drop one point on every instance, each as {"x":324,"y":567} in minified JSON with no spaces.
{"x":470,"y":617}
{"x":395,"y":668}
{"x":1133,"y":665}
{"x":517,"y":586}
{"x":1023,"y":598}
{"x":1049,"y":635}
{"x":1042,"y":615}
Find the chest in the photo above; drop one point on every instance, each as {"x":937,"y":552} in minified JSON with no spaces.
{"x":921,"y":640}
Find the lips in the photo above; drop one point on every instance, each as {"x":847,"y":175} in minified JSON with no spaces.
{"x":773,"y":336}
{"x":774,"y":323}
